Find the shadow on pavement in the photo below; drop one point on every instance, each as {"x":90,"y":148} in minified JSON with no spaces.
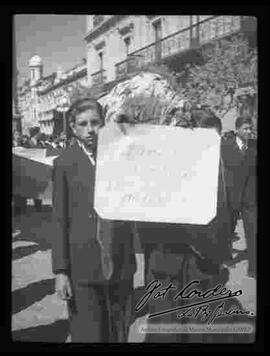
{"x":56,"y":332}
{"x":23,"y":251}
{"x":138,"y":293}
{"x":34,"y":226}
{"x":241,"y":256}
{"x":232,"y":304}
{"x":24,"y":297}
{"x":236,"y":238}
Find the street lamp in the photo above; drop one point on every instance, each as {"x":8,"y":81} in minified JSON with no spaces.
{"x":63,"y":107}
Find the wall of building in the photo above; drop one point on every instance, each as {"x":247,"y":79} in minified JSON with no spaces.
{"x":28,"y":108}
{"x":37,"y":102}
{"x":49,"y":102}
{"x":90,"y":21}
{"x":141,"y":35}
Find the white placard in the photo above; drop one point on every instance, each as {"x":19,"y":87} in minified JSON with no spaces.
{"x":157,"y":173}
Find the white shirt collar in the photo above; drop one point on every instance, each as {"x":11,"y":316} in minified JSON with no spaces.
{"x":88,"y":154}
{"x":239,"y":142}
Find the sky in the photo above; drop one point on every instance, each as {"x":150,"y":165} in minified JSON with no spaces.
{"x":57,"y":39}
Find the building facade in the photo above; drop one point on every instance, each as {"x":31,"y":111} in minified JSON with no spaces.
{"x":120,"y":45}
{"x":40,"y":97}
{"x":16,"y":117}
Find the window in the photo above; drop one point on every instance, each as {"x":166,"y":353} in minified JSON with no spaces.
{"x":100,"y":55}
{"x":158,"y":35}
{"x":127,"y":44}
{"x":157,"y":29}
{"x":194,"y":20}
{"x":33,"y":74}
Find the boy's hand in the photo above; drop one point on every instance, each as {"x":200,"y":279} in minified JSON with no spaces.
{"x":63,"y":286}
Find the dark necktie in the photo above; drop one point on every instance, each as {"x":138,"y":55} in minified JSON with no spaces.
{"x":244,"y":148}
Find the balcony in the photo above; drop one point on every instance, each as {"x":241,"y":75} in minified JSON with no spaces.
{"x":98,"y":78}
{"x":218,"y":27}
{"x":130,"y":65}
{"x":191,"y":37}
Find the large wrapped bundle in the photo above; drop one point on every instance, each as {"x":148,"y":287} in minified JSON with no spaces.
{"x":174,"y":252}
{"x":147,"y":97}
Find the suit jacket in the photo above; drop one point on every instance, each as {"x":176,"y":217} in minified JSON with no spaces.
{"x":240,"y":172}
{"x":75,"y":246}
{"x":249,"y":198}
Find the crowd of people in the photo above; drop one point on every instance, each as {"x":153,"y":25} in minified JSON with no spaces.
{"x":37,"y":139}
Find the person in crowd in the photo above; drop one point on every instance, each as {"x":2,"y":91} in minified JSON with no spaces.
{"x":58,"y":142}
{"x":41,"y":140}
{"x":93,"y":258}
{"x":17,"y":139}
{"x":48,"y":142}
{"x":25,"y":141}
{"x":207,"y":119}
{"x":62,"y":140}
{"x":239,"y":152}
{"x":34,"y":134}
{"x":53,"y":141}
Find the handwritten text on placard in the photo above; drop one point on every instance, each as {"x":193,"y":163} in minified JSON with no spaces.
{"x":157,"y":173}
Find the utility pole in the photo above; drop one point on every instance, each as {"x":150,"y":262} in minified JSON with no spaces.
{"x":63,"y":107}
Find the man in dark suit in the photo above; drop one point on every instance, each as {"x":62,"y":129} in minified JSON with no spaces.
{"x":93,"y":259}
{"x":239,"y":153}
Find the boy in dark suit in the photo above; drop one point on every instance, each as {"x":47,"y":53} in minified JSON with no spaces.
{"x":240,"y":155}
{"x":93,"y":259}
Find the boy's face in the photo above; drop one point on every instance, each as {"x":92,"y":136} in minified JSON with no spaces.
{"x":244,"y":132}
{"x":16,"y":135}
{"x":86,"y":127}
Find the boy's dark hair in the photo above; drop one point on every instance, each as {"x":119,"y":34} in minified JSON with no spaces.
{"x":207,"y":119}
{"x":241,"y":120}
{"x":82,"y":105}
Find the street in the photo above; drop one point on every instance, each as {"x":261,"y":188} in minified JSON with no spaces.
{"x":37,"y":313}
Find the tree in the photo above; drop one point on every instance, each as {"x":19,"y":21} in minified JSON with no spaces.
{"x":80,"y":91}
{"x":230,"y":64}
